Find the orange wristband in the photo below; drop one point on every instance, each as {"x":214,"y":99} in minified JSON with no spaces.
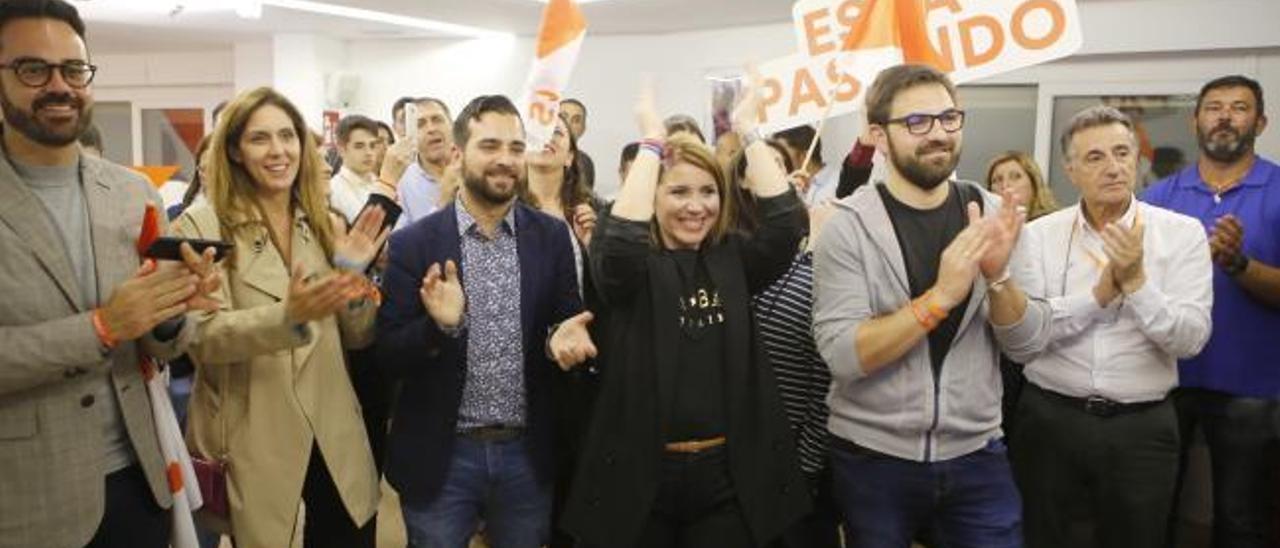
{"x":100,"y":328}
{"x":936,"y":312}
{"x":923,"y":318}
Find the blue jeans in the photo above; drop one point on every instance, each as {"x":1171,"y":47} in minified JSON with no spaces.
{"x":966,"y":502}
{"x":489,"y":480}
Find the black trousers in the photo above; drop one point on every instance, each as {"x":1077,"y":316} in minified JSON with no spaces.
{"x":696,"y":505}
{"x":821,"y":527}
{"x":1091,"y":480}
{"x":327,"y":522}
{"x":131,"y":517}
{"x":374,"y":391}
{"x":1243,"y":435}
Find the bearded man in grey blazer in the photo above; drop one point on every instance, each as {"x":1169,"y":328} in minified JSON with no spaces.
{"x":79,"y":309}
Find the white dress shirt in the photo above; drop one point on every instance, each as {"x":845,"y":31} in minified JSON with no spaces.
{"x":1127,"y":351}
{"x":349,"y":192}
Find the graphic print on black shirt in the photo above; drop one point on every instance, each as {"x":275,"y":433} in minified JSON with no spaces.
{"x":698,"y":404}
{"x":923,"y":235}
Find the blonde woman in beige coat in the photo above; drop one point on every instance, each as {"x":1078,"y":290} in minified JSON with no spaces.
{"x":272,"y":397}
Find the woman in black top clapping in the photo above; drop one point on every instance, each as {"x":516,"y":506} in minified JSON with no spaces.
{"x":688,"y":444}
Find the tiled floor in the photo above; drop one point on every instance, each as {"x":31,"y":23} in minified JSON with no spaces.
{"x":390,"y":523}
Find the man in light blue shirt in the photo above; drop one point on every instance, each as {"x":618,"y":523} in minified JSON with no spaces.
{"x":419,"y":187}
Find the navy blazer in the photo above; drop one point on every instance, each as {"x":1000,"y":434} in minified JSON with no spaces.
{"x":433,"y":365}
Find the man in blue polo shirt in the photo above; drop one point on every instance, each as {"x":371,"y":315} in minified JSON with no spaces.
{"x":1232,"y":389}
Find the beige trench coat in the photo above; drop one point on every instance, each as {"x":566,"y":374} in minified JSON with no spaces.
{"x":264,"y":392}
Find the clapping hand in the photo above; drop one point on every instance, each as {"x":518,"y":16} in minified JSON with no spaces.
{"x":1226,"y":240}
{"x":1002,"y":233}
{"x":311,"y":298}
{"x":442,"y":295}
{"x":356,"y":248}
{"x":1123,"y":247}
{"x":210,"y":279}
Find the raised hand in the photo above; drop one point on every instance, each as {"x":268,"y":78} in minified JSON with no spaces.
{"x":442,"y":295}
{"x":1123,"y":247}
{"x":571,"y":344}
{"x":583,"y":223}
{"x":155,"y":293}
{"x":396,"y":162}
{"x":646,"y":111}
{"x":960,"y":263}
{"x":1002,"y":233}
{"x":801,"y":180}
{"x":315,"y":298}
{"x":1226,"y":240}
{"x":354,"y":249}
{"x":210,"y":279}
{"x":746,"y":115}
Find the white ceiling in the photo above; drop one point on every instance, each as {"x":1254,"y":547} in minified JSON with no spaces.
{"x":111,"y":31}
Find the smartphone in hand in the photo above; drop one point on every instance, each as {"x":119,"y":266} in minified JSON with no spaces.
{"x":168,"y":248}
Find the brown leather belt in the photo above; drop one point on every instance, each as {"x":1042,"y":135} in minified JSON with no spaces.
{"x":694,"y":446}
{"x":493,"y":433}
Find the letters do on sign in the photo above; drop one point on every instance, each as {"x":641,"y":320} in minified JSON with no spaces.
{"x":972,"y":38}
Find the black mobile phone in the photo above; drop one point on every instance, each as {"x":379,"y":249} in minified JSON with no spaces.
{"x":168,"y":248}
{"x":388,"y":205}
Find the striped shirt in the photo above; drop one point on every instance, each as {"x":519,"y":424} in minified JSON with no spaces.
{"x":784,"y":312}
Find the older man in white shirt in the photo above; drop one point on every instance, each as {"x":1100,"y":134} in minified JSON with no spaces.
{"x":1131,"y":288}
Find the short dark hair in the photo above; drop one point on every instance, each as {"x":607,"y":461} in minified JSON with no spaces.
{"x":397,"y":108}
{"x":390,"y":134}
{"x":41,"y":9}
{"x":478,"y":107}
{"x":629,"y":153}
{"x":572,"y":101}
{"x":1233,"y":81}
{"x":1094,"y":116}
{"x":894,"y":80}
{"x":352,"y":122}
{"x":92,"y":138}
{"x":438,"y":102}
{"x":799,"y":138}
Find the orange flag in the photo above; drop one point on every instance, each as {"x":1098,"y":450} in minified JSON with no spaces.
{"x":559,"y":39}
{"x":895,"y":24}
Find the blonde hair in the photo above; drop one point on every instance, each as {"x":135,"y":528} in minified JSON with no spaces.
{"x":232,"y":191}
{"x":687,"y":149}
{"x":1042,"y":201}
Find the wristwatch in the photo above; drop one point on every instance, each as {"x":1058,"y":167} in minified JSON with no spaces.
{"x":1237,"y":266}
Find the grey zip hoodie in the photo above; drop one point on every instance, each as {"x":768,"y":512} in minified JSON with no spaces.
{"x":860,"y":275}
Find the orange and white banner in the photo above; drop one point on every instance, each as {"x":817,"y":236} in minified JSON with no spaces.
{"x":844,"y":44}
{"x":559,"y":39}
{"x":179,"y":471}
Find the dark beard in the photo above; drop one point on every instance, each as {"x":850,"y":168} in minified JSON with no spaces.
{"x":923,"y":176}
{"x":1229,"y":152}
{"x":480,"y":189}
{"x":26,"y":123}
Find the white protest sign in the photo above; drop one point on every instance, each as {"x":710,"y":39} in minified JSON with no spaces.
{"x":973,"y":38}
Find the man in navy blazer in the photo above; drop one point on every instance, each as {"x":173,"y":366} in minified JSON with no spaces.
{"x":471,"y":292}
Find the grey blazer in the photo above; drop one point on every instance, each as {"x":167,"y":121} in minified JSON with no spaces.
{"x":51,"y":439}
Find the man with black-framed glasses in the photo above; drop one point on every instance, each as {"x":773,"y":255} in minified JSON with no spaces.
{"x":912,"y":278}
{"x":80,"y":463}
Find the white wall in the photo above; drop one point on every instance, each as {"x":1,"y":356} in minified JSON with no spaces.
{"x":1131,"y":46}
{"x":1178,"y":45}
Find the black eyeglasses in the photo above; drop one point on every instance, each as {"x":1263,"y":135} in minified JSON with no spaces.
{"x":38,"y":72}
{"x":920,"y":124}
